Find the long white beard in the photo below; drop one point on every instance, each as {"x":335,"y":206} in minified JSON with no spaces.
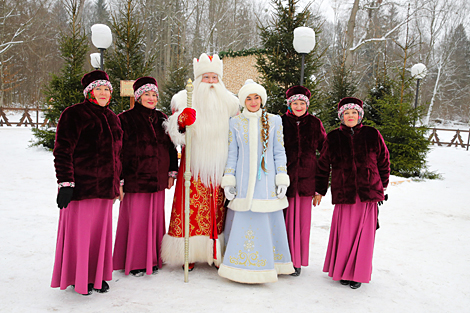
{"x":209,"y":135}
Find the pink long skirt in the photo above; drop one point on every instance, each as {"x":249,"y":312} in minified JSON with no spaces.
{"x":84,"y":245}
{"x":140,"y":231}
{"x":298,"y":217}
{"x":351,"y":244}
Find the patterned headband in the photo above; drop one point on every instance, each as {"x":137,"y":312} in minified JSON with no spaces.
{"x":95,"y":84}
{"x":348,"y":106}
{"x":298,"y":97}
{"x":147,"y":87}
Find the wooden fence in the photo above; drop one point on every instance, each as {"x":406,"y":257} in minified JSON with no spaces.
{"x":26,"y":119}
{"x":456,"y":140}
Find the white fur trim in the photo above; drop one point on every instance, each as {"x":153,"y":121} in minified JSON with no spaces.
{"x":200,"y":249}
{"x":282,"y":179}
{"x":262,"y":206}
{"x":249,"y":88}
{"x":247,"y":276}
{"x":206,"y":65}
{"x":178,"y":104}
{"x":228,"y":180}
{"x":253,"y":151}
{"x":284,"y":268}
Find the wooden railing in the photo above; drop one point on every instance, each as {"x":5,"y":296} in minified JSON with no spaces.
{"x":456,"y":140}
{"x":25,"y":120}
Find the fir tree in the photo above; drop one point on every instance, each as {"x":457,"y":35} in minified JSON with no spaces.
{"x":127,"y":60}
{"x":342,"y":86}
{"x":407,"y":144}
{"x":175,"y":82}
{"x":100,"y":14}
{"x":65,"y":89}
{"x":280,"y":64}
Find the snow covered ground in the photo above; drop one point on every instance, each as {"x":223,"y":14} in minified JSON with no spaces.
{"x":421,"y":260}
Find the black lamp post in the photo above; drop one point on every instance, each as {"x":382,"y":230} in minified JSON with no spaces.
{"x":304,"y":42}
{"x":102,"y":39}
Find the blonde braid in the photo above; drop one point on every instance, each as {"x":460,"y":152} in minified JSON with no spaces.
{"x":264,"y":136}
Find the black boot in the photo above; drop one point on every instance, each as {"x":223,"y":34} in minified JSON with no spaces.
{"x":297,"y":271}
{"x":354,"y":285}
{"x":104,"y":287}
{"x":90,"y":290}
{"x":344,"y":282}
{"x":155,"y":270}
{"x":138,"y":273}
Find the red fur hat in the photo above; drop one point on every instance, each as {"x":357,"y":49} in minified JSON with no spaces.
{"x":349,"y":100}
{"x":297,"y":93}
{"x":144,"y":84}
{"x":297,"y":90}
{"x":88,"y":78}
{"x":350,"y":103}
{"x":143,"y":81}
{"x":95,"y":79}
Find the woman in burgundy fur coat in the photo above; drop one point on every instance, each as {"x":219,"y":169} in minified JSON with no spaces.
{"x":149,"y":165}
{"x":87,"y":163}
{"x":360,"y":170}
{"x":304,"y":135}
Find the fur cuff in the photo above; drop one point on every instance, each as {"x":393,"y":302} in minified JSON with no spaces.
{"x":261,"y":206}
{"x":172,"y":129}
{"x":228,"y":180}
{"x":247,"y":276}
{"x":200,"y":250}
{"x":282,"y":179}
{"x":284,"y":268}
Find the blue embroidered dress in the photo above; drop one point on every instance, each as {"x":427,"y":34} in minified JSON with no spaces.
{"x":257,"y":249}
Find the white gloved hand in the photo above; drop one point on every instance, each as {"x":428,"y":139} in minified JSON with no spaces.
{"x":230,"y":192}
{"x":281,"y":191}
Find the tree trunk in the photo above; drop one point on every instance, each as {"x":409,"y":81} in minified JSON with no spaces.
{"x":350,"y":34}
{"x":434,"y":92}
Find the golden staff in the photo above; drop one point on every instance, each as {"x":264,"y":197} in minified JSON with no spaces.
{"x":187,"y":184}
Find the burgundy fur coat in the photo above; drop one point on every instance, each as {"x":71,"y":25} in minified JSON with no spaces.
{"x":147,"y":151}
{"x":303,"y":136}
{"x":86,"y":152}
{"x":359,"y":163}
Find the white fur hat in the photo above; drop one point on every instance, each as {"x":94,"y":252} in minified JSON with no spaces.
{"x":208,"y":64}
{"x":251,"y":87}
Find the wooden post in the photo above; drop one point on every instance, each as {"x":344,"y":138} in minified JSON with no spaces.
{"x":127,"y":91}
{"x":187,"y":184}
{"x":468,"y":140}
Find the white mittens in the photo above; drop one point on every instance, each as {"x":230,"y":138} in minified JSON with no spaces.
{"x":281,"y":191}
{"x":230,"y":192}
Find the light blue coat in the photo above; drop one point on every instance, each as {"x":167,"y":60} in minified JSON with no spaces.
{"x":257,"y":194}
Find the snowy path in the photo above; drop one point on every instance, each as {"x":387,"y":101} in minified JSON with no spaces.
{"x":421,"y":261}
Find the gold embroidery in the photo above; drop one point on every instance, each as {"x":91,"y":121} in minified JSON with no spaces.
{"x":243,"y":123}
{"x":277,"y":256}
{"x":249,"y":245}
{"x":248,"y":259}
{"x":229,"y":171}
{"x":251,"y":259}
{"x":281,"y":169}
{"x":230,"y":137}
{"x":280,"y":135}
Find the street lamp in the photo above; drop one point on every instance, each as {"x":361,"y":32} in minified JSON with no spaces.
{"x":102,"y":38}
{"x":304,"y":42}
{"x":418,"y":71}
{"x":95,"y":60}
